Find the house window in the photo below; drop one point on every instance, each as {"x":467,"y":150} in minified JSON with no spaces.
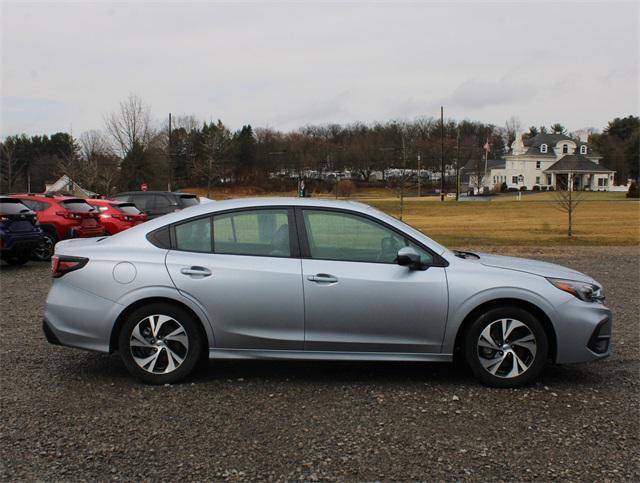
{"x":602,"y":182}
{"x":520,"y":179}
{"x":583,"y":149}
{"x":543,"y":148}
{"x":537,"y":179}
{"x":537,"y":164}
{"x":565,"y":148}
{"x":514,"y":179}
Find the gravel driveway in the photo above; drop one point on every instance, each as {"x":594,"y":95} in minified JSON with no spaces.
{"x":67,"y":414}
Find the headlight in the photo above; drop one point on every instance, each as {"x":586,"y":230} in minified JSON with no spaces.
{"x":587,"y":292}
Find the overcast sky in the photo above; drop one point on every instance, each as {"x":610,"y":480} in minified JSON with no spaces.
{"x":283,"y":65}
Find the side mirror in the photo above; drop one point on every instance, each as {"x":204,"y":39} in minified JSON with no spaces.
{"x":409,"y":257}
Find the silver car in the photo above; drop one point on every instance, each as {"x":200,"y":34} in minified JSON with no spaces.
{"x":278,"y":278}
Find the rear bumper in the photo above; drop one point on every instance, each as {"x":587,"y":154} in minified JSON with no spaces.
{"x":76,"y":318}
{"x":21,"y":242}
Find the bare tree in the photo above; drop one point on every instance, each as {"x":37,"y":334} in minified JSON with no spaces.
{"x":215,"y":145}
{"x":512,"y":128}
{"x":567,"y":200}
{"x":130,"y":125}
{"x":101,"y":163}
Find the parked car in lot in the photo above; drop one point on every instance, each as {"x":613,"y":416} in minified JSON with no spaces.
{"x":61,"y":217}
{"x":310,"y":279}
{"x":20,"y":232}
{"x":158,"y":203}
{"x":117,"y":216}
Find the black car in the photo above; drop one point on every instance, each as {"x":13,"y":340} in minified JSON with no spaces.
{"x":158,"y":203}
{"x":20,"y":233}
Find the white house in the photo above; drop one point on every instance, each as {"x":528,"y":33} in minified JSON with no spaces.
{"x":546,"y":160}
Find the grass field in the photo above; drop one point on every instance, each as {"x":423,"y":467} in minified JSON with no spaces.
{"x":600,"y":218}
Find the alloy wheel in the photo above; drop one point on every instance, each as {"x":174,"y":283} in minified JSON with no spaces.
{"x":507,"y":348}
{"x":159,"y":344}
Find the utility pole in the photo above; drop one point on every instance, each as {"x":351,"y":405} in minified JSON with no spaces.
{"x":441,"y":153}
{"x":170,"y":158}
{"x":419,"y":192}
{"x":458,"y":165}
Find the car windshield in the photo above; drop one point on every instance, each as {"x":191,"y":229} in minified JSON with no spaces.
{"x":128,"y":208}
{"x":189,"y":200}
{"x":12,"y":207}
{"x":77,"y":205}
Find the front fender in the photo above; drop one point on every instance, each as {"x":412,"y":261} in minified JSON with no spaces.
{"x":459,"y":310}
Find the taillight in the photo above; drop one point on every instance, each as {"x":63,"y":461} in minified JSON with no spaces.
{"x":4,"y":219}
{"x":69,"y":214}
{"x":63,"y":264}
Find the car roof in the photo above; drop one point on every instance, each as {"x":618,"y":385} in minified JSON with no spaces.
{"x":43,"y":196}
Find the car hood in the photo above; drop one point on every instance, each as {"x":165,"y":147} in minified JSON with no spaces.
{"x":544,"y":269}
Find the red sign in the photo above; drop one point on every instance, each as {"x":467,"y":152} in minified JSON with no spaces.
{"x":144,"y":187}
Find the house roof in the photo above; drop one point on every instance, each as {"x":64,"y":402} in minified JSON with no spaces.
{"x":576,"y":163}
{"x":533,"y":144}
{"x":472,"y":164}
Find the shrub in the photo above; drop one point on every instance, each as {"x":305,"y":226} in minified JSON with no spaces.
{"x":551,"y":188}
{"x":512,"y":189}
{"x":523,"y":188}
{"x":345,"y":187}
{"x":633,"y":192}
{"x":536,"y":188}
{"x":503,"y":187}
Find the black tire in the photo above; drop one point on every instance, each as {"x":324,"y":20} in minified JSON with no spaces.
{"x":44,"y":250}
{"x":16,"y":258}
{"x":191,"y":357}
{"x":534,"y":360}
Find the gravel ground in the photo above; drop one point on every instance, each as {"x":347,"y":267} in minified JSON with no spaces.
{"x":74,"y":415}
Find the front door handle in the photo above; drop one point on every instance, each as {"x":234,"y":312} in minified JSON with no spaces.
{"x":196,"y":271}
{"x":322,"y":278}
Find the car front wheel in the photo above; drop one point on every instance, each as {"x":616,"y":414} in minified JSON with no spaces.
{"x":160,"y":343}
{"x":506,"y":347}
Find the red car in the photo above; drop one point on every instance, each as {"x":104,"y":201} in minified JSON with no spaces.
{"x":117,"y":216}
{"x":61,"y":217}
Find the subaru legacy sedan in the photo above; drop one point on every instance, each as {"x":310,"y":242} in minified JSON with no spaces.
{"x":278,"y":278}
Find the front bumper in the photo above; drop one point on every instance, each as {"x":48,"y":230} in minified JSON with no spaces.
{"x":583,"y":332}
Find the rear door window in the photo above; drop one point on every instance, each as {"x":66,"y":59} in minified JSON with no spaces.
{"x":259,"y":232}
{"x":162,"y":203}
{"x":143,"y":202}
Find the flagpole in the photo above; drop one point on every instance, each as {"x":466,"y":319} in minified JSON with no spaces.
{"x":486,"y":155}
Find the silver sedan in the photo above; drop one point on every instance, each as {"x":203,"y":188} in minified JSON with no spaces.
{"x":278,"y":278}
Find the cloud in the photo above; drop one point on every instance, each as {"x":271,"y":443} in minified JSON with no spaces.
{"x":30,"y":114}
{"x":477,"y":94}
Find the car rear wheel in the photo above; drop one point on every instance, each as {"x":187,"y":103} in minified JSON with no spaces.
{"x":506,"y":347}
{"x":44,"y":250}
{"x":160,"y":343}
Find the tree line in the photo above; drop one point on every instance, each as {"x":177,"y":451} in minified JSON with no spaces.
{"x":132,"y":150}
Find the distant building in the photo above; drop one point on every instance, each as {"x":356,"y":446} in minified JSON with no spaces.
{"x":545,"y":162}
{"x":64,"y":184}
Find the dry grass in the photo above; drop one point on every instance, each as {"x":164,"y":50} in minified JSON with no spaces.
{"x":600,"y":219}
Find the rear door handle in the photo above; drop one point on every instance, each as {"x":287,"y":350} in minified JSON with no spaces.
{"x":196,"y":271}
{"x":322,"y":278}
